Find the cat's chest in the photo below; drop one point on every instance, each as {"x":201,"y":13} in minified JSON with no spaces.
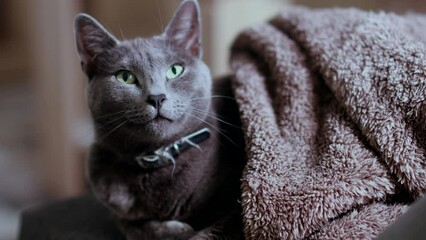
{"x":172,"y":191}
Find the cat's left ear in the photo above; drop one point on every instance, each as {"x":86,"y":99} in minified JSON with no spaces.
{"x":185,"y":27}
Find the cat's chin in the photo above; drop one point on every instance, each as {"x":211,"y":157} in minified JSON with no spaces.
{"x":154,"y":123}
{"x":158,"y":128}
{"x":158,"y":123}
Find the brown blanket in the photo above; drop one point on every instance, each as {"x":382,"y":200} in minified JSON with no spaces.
{"x":334,"y":113}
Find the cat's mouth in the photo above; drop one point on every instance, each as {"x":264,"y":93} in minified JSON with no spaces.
{"x":157,"y":120}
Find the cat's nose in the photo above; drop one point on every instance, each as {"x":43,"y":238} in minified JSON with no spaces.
{"x":156,"y":100}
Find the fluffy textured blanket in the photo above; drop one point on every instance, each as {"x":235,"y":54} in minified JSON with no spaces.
{"x":333,"y":108}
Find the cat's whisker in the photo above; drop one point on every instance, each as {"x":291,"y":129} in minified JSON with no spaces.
{"x":216,"y":118}
{"x":113,"y":129}
{"x":110,"y":114}
{"x":110,"y":122}
{"x":125,"y":113}
{"x":204,"y":111}
{"x":105,"y":124}
{"x":131,"y":134}
{"x":213,"y":96}
{"x":122,"y":34}
{"x":214,"y":128}
{"x":160,"y":16}
{"x":85,"y":130}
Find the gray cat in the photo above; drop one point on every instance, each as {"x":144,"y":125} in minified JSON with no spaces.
{"x":153,"y":163}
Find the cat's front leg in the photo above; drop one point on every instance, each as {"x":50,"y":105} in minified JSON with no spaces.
{"x":156,"y":230}
{"x":115,"y":195}
{"x":171,"y":230}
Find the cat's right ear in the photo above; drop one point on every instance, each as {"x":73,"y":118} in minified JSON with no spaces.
{"x":91,"y":39}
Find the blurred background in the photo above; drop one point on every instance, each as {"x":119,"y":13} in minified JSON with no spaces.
{"x":45,"y":130}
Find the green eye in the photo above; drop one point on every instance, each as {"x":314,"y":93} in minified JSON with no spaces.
{"x":174,"y":71}
{"x":125,"y":76}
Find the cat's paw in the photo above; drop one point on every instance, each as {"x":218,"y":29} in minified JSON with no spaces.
{"x":171,"y":230}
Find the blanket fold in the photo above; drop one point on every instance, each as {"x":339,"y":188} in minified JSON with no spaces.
{"x":333,"y":109}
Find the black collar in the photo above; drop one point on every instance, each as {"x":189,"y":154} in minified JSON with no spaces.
{"x":166,"y":155}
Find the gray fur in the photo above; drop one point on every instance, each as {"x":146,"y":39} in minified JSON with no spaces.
{"x":200,"y":198}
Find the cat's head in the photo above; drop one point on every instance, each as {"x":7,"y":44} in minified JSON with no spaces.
{"x":155,"y":87}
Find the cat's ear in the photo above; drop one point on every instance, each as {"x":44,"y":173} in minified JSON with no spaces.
{"x":91,"y":39}
{"x":185,"y":27}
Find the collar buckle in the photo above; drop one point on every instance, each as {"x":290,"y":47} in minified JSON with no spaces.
{"x":166,"y":155}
